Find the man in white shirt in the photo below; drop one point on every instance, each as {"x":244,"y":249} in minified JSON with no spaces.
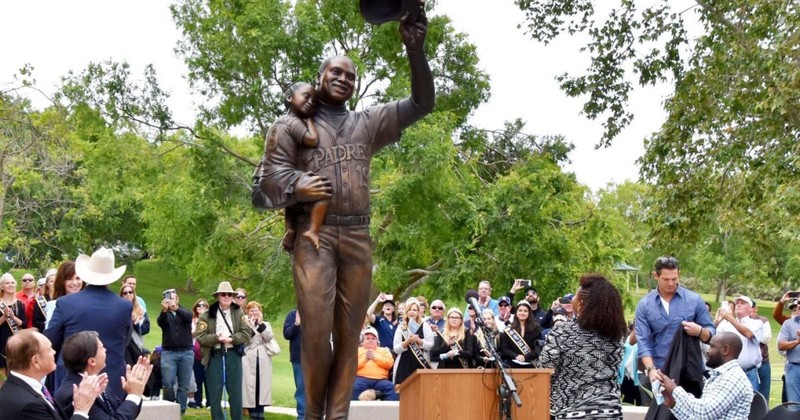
{"x":749,"y":330}
{"x":30,"y":357}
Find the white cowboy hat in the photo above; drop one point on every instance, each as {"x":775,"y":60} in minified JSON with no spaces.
{"x":99,"y":269}
{"x":224,"y":287}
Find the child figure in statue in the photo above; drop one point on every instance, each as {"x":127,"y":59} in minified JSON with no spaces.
{"x":300,"y":100}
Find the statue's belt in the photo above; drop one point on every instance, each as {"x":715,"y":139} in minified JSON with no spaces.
{"x":332,"y":219}
{"x":336,"y":220}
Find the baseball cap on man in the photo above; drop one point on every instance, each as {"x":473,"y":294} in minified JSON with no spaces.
{"x":370,"y":330}
{"x":745,"y":299}
{"x":504,"y":299}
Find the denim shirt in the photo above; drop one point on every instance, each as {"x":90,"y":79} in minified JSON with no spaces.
{"x":654,"y":328}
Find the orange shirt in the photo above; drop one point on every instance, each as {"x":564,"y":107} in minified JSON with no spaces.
{"x":377,"y":368}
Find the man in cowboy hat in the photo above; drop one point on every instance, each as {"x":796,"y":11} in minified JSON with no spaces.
{"x":96,"y":309}
{"x":222,"y":331}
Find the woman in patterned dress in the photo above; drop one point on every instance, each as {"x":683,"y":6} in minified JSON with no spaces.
{"x":586,"y":353}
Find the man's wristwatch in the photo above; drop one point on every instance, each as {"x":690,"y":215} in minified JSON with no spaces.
{"x":649,"y":368}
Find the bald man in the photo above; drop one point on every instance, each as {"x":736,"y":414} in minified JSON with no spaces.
{"x":30,"y":358}
{"x":727,"y":393}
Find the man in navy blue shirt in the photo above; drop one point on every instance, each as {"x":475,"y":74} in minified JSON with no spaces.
{"x":292,"y":332}
{"x":386,"y":322}
{"x":668,"y":307}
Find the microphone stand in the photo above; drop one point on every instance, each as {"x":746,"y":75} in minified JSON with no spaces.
{"x":507,"y":386}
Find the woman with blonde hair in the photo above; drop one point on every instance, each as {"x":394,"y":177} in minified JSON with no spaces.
{"x":412,"y":342}
{"x":482,"y":340}
{"x":141,"y":324}
{"x":454,"y":347}
{"x":257,"y":363}
{"x":12,"y":315}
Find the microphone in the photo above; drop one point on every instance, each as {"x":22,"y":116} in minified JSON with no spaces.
{"x":472,"y":298}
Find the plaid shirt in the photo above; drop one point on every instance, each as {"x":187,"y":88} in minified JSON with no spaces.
{"x":726,"y":396}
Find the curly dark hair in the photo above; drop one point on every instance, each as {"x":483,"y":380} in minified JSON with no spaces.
{"x":601,"y":307}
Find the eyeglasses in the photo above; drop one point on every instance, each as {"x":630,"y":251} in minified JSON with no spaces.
{"x":202,"y":305}
{"x":225,"y":294}
{"x":503,"y":304}
{"x":438,"y":308}
{"x":241,"y":296}
{"x":27,"y":280}
{"x":129,"y":292}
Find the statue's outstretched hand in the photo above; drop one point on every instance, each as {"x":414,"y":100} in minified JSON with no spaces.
{"x":413,"y":33}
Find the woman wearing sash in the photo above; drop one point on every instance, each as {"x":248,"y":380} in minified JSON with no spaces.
{"x":483,"y":355}
{"x":520,"y":342}
{"x":454,"y":347}
{"x":412,"y":342}
{"x":586,"y":353}
{"x":12,"y":316}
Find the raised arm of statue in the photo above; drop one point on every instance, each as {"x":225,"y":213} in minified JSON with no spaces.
{"x":423,"y":93}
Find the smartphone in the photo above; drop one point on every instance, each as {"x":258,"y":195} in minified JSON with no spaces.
{"x":168,"y":294}
{"x":564,"y":301}
{"x":525,"y":283}
{"x":725,"y":306}
{"x":389,"y":297}
{"x":794,"y":294}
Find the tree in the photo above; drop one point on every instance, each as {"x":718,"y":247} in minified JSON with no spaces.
{"x":733,"y":119}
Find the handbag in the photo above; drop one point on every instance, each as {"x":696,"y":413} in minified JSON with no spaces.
{"x":273,"y":349}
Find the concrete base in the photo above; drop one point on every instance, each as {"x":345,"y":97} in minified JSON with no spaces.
{"x":159,"y":410}
{"x":390,"y":410}
{"x":631,"y":412}
{"x":374,"y":410}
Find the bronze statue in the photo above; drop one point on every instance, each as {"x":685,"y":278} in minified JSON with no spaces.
{"x":333,"y":282}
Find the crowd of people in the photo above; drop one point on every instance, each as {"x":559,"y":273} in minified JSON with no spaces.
{"x":56,"y":347}
{"x":73,"y":348}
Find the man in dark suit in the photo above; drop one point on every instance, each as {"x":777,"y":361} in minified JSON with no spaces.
{"x":96,"y":309}
{"x":85,"y":353}
{"x":30,"y":358}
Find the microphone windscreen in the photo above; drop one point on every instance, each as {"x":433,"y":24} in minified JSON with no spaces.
{"x":471,"y":293}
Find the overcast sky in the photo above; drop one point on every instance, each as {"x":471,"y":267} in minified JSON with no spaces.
{"x":56,"y":36}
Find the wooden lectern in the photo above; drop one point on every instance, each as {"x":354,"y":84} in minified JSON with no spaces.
{"x":445,"y":394}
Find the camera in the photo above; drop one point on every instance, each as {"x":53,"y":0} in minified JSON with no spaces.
{"x":2,"y":306}
{"x":564,"y":301}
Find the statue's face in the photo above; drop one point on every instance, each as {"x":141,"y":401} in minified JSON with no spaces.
{"x":337,"y":81}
